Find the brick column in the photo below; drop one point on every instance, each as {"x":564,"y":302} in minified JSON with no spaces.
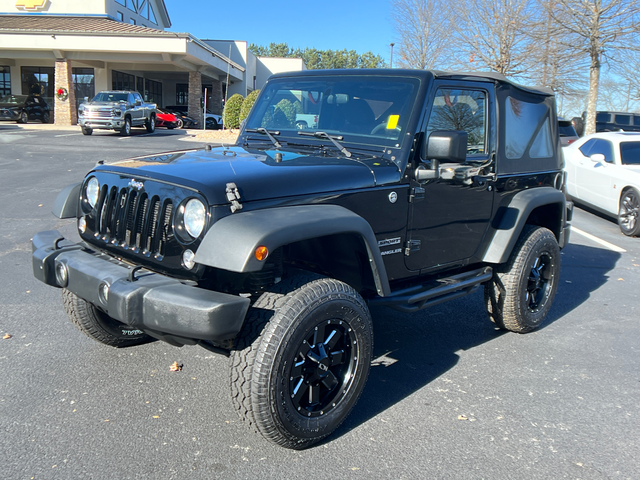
{"x":195,"y":94}
{"x":215,"y":97}
{"x":65,"y":112}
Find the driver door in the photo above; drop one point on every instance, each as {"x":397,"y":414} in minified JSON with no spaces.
{"x":450,"y":215}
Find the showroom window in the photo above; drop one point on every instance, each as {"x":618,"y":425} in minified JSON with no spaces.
{"x":120,"y":16}
{"x":122,"y":81}
{"x":140,"y":86}
{"x":153,"y":91}
{"x":182,"y":94}
{"x":38,"y":81}
{"x":5,"y":81}
{"x":84,"y":83}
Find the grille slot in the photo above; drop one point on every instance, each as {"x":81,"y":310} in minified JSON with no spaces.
{"x":130,"y":219}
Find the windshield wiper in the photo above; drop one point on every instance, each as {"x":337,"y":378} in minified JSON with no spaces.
{"x":266,"y":132}
{"x":333,"y":139}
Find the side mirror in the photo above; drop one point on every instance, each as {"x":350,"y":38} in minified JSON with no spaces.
{"x":138,"y":102}
{"x":86,"y":99}
{"x":447,"y":146}
{"x":597,"y":158}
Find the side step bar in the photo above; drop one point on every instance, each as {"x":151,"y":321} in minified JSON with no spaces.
{"x":445,"y":289}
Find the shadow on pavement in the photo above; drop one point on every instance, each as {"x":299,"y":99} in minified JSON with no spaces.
{"x":418,"y":348}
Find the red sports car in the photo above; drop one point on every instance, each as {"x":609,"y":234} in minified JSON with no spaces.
{"x":166,"y":119}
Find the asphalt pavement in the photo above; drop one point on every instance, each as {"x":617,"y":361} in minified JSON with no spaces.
{"x":449,"y":396}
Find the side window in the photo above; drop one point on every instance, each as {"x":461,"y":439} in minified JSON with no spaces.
{"x":464,"y":110}
{"x":604,"y":147}
{"x":527,"y":126}
{"x":137,"y":96}
{"x":623,"y":119}
{"x":586,"y":148}
{"x":130,"y":98}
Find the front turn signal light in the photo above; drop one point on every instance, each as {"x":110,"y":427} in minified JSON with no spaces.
{"x":261,"y":253}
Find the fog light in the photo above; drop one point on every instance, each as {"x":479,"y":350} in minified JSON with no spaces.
{"x":261,"y":253}
{"x":62,"y":274}
{"x":188,"y":259}
{"x":82,"y":225}
{"x":103,"y":293}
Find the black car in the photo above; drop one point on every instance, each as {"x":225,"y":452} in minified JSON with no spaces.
{"x":22,"y":108}
{"x":404,"y":188}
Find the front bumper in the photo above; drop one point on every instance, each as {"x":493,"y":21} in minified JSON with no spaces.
{"x":101,"y":124}
{"x":139,"y":298}
{"x":6,"y":114}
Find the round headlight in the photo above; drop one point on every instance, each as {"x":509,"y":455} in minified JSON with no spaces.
{"x":93,"y":189}
{"x":194,"y":217}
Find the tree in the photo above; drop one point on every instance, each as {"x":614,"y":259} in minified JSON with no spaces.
{"x":423,"y":31}
{"x":493,"y":34}
{"x":231,"y":113}
{"x":247,"y":104}
{"x":602,"y":28}
{"x":318,"y":59}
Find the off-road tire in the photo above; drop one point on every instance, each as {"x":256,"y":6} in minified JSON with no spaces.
{"x":125,"y":131}
{"x":268,"y":361}
{"x":629,"y":212}
{"x":87,"y":131}
{"x":521,"y":292}
{"x":98,"y":325}
{"x":150,"y":124}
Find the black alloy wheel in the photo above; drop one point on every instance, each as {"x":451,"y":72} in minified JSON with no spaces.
{"x":539,"y":282}
{"x":628,"y":213}
{"x":322,"y":369}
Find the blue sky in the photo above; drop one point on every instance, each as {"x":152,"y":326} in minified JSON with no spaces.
{"x":360,"y":25}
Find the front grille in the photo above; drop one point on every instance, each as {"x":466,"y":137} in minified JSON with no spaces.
{"x":134,"y":220}
{"x":98,"y":113}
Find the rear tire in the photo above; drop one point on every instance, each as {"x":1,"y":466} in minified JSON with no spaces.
{"x":521,"y":292}
{"x":98,"y":325}
{"x":151,"y":124}
{"x":628,"y":213}
{"x":302,"y":361}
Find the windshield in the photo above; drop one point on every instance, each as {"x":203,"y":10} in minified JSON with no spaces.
{"x":364,"y":110}
{"x":111,"y":97}
{"x":13,"y":99}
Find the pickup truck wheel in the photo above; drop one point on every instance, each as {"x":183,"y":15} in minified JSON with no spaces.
{"x":628,"y":214}
{"x":126,"y":130}
{"x":151,"y":124}
{"x":303,"y":361}
{"x":521,"y":292}
{"x":98,"y":325}
{"x":87,"y":131}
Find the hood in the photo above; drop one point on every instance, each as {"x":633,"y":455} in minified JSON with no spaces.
{"x":102,"y":104}
{"x":256,"y":174}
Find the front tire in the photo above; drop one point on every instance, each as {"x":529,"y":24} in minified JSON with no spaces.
{"x":98,"y":325}
{"x":87,"y":131}
{"x":46,"y":117}
{"x":23,"y":118}
{"x":299,"y":373}
{"x":521,"y":292}
{"x":126,"y":130}
{"x":628,"y":213}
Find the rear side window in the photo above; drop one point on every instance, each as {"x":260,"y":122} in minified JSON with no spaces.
{"x":636,"y":120}
{"x":603,"y":117}
{"x":623,"y":119}
{"x":527,"y":127}
{"x":630,"y":153}
{"x":565,"y":129}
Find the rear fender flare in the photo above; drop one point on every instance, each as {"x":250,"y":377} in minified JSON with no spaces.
{"x":515,"y":217}
{"x":231,"y":242}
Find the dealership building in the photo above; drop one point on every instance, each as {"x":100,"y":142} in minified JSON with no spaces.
{"x":65,"y":50}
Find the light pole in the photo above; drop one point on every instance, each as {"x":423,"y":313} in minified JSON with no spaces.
{"x":391,"y":59}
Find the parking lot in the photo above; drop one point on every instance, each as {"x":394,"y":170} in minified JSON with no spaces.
{"x":448,"y":397}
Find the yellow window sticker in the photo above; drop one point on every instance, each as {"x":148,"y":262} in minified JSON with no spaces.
{"x":393,"y":122}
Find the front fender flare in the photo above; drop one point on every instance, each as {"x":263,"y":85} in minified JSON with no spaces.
{"x":66,"y":204}
{"x":231,"y":242}
{"x":515,"y":217}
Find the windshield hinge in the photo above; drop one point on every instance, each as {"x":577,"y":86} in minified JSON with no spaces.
{"x":412,"y":246}
{"x":233,"y":195}
{"x":415,"y":194}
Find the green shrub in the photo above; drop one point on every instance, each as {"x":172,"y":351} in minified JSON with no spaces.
{"x":247,"y":104}
{"x":231,"y":113}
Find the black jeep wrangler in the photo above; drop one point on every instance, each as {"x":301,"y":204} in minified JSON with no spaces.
{"x":346,"y":189}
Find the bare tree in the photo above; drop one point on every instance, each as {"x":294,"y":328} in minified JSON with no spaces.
{"x":423,"y":29}
{"x":493,"y":34}
{"x":602,"y":27}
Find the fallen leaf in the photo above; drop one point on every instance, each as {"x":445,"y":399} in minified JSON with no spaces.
{"x":462,"y":417}
{"x":175,"y":367}
{"x":354,"y":468}
{"x":107,"y":420}
{"x":40,"y":205}
{"x":621,"y":279}
{"x":6,"y":336}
